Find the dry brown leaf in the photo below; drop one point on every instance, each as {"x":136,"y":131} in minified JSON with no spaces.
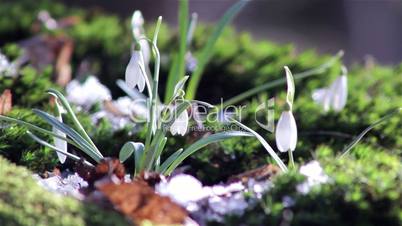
{"x":139,"y":202}
{"x":5,"y":102}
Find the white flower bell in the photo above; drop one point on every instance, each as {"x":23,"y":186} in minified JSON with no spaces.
{"x":286,"y":132}
{"x":134,"y":71}
{"x":286,"y":129}
{"x":180,"y":125}
{"x":60,"y":143}
{"x":335,"y":96}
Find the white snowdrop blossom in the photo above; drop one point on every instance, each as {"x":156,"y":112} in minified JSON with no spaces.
{"x":286,"y":132}
{"x":180,"y":124}
{"x":88,"y":93}
{"x":335,"y":96}
{"x":137,"y":24}
{"x":60,"y":143}
{"x":315,"y":175}
{"x":134,"y":73}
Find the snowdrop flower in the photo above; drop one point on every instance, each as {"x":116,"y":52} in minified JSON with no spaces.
{"x":286,"y":132}
{"x":137,"y":24}
{"x":134,"y":71}
{"x":334,"y":96}
{"x":180,"y":125}
{"x":315,"y":176}
{"x":59,"y":143}
{"x":88,"y":93}
{"x":286,"y":129}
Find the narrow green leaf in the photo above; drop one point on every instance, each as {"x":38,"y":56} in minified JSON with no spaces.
{"x":162,"y":169}
{"x":264,"y":144}
{"x":74,"y":135}
{"x":71,"y":113}
{"x":202,"y":143}
{"x":128,"y":150}
{"x":157,"y":153}
{"x":178,"y":66}
{"x":37,"y":129}
{"x":208,"y":49}
{"x":372,"y":126}
{"x":138,"y":157}
{"x":44,"y":143}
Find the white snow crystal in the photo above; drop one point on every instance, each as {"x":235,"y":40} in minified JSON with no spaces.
{"x":315,"y":176}
{"x":183,"y":189}
{"x":88,"y":93}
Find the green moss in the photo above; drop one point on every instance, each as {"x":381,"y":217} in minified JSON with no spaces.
{"x":365,"y":189}
{"x":24,"y":203}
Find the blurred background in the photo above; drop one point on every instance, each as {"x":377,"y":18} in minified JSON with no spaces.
{"x":361,"y":27}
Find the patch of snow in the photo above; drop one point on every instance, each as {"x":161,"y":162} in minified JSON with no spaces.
{"x":315,"y":175}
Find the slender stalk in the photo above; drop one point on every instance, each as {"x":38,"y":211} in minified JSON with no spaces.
{"x":361,"y":135}
{"x":151,"y":124}
{"x":291,"y":160}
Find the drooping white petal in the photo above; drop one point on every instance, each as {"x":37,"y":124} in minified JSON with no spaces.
{"x":146,"y":51}
{"x":179,"y":126}
{"x":335,"y":96}
{"x":59,"y":143}
{"x":286,"y":132}
{"x":340,"y":93}
{"x":322,"y":97}
{"x":134,"y":76}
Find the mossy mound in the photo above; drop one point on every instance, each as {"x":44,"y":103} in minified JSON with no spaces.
{"x":24,"y":203}
{"x":365,"y":188}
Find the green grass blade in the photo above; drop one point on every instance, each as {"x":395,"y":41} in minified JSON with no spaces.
{"x":372,"y":126}
{"x":70,"y":112}
{"x":84,"y":145}
{"x":178,"y":66}
{"x":265,"y":145}
{"x":44,"y":143}
{"x":157,"y":153}
{"x":269,"y":85}
{"x":202,"y":143}
{"x":207,"y":51}
{"x":169,"y":161}
{"x":36,"y":128}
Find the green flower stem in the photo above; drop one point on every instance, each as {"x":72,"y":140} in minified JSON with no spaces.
{"x":291,"y":160}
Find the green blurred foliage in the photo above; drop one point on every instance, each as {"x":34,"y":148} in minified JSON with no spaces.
{"x":364,"y":189}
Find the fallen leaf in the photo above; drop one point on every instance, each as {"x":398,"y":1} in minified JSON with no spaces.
{"x":5,"y":102}
{"x":139,"y":202}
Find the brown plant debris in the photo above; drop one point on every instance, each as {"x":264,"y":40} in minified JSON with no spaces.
{"x":139,"y":202}
{"x":5,"y":102}
{"x":262,"y":173}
